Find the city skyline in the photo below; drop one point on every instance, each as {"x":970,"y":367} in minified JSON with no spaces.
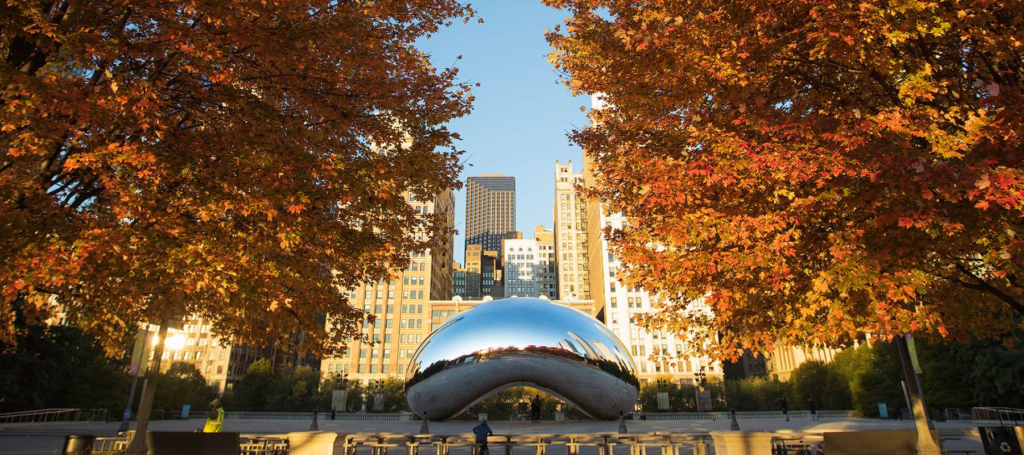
{"x":253,"y":211}
{"x":521,"y":114}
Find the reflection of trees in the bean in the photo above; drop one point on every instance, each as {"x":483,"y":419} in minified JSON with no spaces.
{"x":617,"y":368}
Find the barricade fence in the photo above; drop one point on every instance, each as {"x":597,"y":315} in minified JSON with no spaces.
{"x":67,"y":415}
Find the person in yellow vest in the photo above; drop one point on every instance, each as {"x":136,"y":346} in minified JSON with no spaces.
{"x":215,"y":418}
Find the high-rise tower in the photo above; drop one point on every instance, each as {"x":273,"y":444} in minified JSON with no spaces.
{"x":547,"y":275}
{"x":490,"y":210}
{"x":570,"y":235}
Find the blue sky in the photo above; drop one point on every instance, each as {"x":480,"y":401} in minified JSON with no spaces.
{"x":521,"y":116}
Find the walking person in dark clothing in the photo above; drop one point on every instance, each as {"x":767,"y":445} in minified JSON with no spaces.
{"x":535,"y":408}
{"x":897,"y":409}
{"x":785,"y":407}
{"x":814,"y":409}
{"x":334,"y":412}
{"x":482,"y":431}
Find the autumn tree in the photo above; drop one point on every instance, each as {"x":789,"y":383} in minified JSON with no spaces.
{"x":240,"y":161}
{"x":813,"y":170}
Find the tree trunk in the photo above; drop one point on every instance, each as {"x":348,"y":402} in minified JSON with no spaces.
{"x":926,"y":444}
{"x":138,"y":445}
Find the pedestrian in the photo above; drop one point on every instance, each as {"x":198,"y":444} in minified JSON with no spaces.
{"x":785,"y":407}
{"x":897,"y":409}
{"x":482,"y":431}
{"x":214,"y":418}
{"x":814,"y":409}
{"x":334,"y":412}
{"x":535,"y":408}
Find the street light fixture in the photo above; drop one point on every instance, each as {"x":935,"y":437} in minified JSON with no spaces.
{"x":340,"y":399}
{"x":175,"y":342}
{"x":160,"y":342}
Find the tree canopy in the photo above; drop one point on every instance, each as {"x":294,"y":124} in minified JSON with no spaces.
{"x":241,"y":161}
{"x":813,"y":170}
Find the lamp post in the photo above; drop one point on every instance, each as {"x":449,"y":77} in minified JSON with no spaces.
{"x":703,"y":396}
{"x":314,"y":426}
{"x":662,"y":394}
{"x":140,"y":358}
{"x":160,"y":342}
{"x":378,"y":396}
{"x":340,"y":398}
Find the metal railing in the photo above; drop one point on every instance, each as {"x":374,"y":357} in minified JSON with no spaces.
{"x":1005,"y":416}
{"x":441,"y":444}
{"x":797,"y":444}
{"x":958,"y":414}
{"x":110,"y":446}
{"x":679,"y":416}
{"x":507,"y":444}
{"x":751,"y":415}
{"x":745,"y":415}
{"x":838,"y":414}
{"x":248,"y":444}
{"x":54,"y":415}
{"x":241,"y":415}
{"x":251,"y":444}
{"x":268,"y":415}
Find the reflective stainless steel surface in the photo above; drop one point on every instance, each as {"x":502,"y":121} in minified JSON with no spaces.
{"x":522,"y":341}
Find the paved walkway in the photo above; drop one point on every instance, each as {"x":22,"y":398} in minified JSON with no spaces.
{"x":47,"y":438}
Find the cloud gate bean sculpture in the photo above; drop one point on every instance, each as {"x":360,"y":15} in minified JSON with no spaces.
{"x":522,"y":341}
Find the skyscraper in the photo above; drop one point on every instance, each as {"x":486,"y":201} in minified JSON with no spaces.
{"x":458,"y":280}
{"x":400,"y":306}
{"x":547,"y":272}
{"x":520,"y":267}
{"x":570,"y":235}
{"x":490,"y":211}
{"x":483,"y":274}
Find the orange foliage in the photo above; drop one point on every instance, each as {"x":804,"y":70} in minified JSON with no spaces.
{"x":814,"y":170}
{"x":233,"y":159}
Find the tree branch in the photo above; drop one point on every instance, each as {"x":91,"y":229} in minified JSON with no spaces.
{"x":983,"y":285}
